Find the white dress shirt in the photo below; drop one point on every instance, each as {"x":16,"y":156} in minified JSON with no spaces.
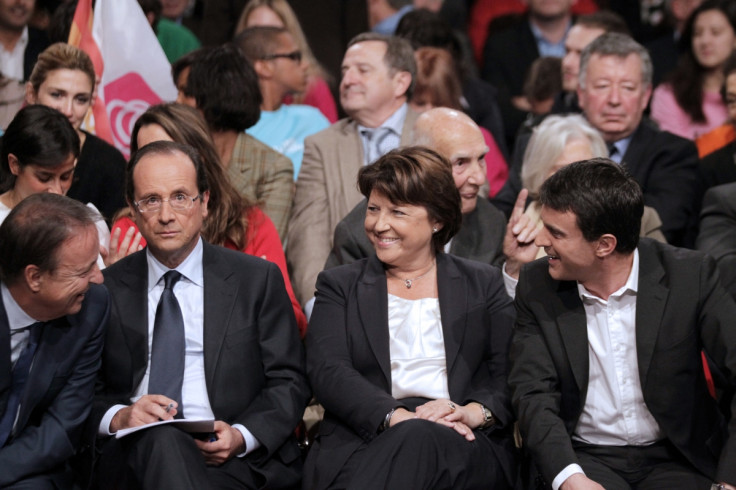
{"x":417,"y":348}
{"x":189,"y":292}
{"x":12,"y":61}
{"x":614,"y":413}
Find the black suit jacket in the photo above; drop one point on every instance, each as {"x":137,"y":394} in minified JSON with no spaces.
{"x":59,"y":390}
{"x":37,"y":42}
{"x":348,"y":357}
{"x":681,"y":308}
{"x":480,"y":237}
{"x":664,"y":165}
{"x":254,"y":360}
{"x":717,"y":235}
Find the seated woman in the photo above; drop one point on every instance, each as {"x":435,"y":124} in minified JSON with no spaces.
{"x":689,"y":103}
{"x":407,"y":349}
{"x":64,"y":79}
{"x":556,"y":142}
{"x":232,"y":221}
{"x":38,"y":152}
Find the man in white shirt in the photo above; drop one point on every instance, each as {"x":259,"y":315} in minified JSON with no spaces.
{"x":606,"y":371}
{"x":20,"y":44}
{"x":238,"y":359}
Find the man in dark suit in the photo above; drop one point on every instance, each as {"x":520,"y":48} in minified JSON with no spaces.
{"x":606,"y":372}
{"x":717,"y":235}
{"x":456,"y":137}
{"x":52,"y":318}
{"x":615,"y":82}
{"x":238,"y":360}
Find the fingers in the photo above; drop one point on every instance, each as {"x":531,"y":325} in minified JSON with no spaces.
{"x":460,"y":428}
{"x":435,"y":409}
{"x":229,"y":443}
{"x":519,"y":205}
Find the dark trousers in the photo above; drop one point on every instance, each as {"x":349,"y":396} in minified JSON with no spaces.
{"x":418,"y":454}
{"x":652,"y":467}
{"x":166,"y":457}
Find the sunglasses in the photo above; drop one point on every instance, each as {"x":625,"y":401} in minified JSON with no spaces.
{"x":293,"y":56}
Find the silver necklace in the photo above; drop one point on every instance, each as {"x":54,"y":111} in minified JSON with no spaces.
{"x":410,"y":281}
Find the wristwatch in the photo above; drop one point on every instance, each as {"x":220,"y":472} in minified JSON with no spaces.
{"x":488,"y":419}
{"x":718,"y":486}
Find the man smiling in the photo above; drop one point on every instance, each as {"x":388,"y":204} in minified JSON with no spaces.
{"x":606,"y":372}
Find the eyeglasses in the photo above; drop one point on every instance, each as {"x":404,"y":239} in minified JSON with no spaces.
{"x":293,"y":56}
{"x":178,"y":202}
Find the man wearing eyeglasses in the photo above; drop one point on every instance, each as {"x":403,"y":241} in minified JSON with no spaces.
{"x":195,"y":331}
{"x":281,"y":71}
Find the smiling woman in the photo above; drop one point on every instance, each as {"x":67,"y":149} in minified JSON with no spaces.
{"x":388,"y":335}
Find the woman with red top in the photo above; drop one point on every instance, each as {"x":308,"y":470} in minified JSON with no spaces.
{"x":232,"y":222}
{"x":278,"y":13}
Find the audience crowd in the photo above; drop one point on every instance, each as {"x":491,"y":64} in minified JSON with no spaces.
{"x":494,"y":246}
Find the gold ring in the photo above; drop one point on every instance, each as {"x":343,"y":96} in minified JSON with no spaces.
{"x":452,"y":406}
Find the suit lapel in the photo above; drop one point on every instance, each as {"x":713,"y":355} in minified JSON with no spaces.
{"x":220,"y":291}
{"x":373,"y":313}
{"x":133,"y":307}
{"x":650,"y":304}
{"x":5,"y":364}
{"x":573,"y":329}
{"x":453,"y":296}
{"x":350,"y":160}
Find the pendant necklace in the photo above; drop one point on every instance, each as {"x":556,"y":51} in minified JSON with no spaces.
{"x":408,"y":282}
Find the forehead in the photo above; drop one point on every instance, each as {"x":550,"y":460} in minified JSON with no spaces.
{"x":371,"y":52}
{"x":563,"y":221}
{"x":608,"y":66}
{"x":459,"y":140}
{"x":76,"y":252}
{"x":580,"y":36}
{"x":164,"y":173}
{"x":68,"y":79}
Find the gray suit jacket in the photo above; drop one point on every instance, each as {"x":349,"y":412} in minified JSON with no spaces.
{"x":253,"y":358}
{"x":717,"y":235}
{"x":681,"y":309}
{"x":59,"y":390}
{"x":480,"y":238}
{"x":326,"y":191}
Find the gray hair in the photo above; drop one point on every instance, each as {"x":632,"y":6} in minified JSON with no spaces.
{"x":619,"y":45}
{"x":547,"y":144}
{"x":399,"y":55}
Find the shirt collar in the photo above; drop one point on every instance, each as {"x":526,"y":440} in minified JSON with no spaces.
{"x":395,"y":121}
{"x":388,"y":25}
{"x":17,"y":318}
{"x":631,"y":285}
{"x":190,"y":268}
{"x":623,"y":144}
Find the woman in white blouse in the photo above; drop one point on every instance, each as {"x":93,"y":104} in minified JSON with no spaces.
{"x":407,"y":349}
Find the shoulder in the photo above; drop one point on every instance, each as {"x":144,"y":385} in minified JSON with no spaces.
{"x":486,"y":213}
{"x":676,"y":261}
{"x":254,"y":148}
{"x":657,"y":140}
{"x":343,"y":127}
{"x":306,"y":112}
{"x":94,"y":308}
{"x":479,"y":274}
{"x":98,"y":148}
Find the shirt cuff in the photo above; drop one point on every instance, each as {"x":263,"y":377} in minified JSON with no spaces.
{"x":566,"y":473}
{"x":104,"y":429}
{"x":251,"y":443}
{"x":510,"y":284}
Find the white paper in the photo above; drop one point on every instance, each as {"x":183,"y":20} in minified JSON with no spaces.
{"x":187,"y":425}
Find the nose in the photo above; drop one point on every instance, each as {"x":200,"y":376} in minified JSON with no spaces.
{"x":542,"y":239}
{"x":55,"y":187}
{"x":166,"y":213}
{"x":348,"y":77}
{"x":381,"y":223}
{"x":477,"y":172}
{"x":66,"y":107}
{"x":614,"y":95}
{"x":96,"y":276}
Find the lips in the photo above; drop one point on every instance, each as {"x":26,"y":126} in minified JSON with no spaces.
{"x":385,"y":241}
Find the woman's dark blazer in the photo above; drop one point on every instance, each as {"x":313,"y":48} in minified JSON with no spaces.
{"x":348,"y":359}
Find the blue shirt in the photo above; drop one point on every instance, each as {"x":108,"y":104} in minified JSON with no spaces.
{"x":285,"y":128}
{"x":388,"y":25}
{"x":547,"y":48}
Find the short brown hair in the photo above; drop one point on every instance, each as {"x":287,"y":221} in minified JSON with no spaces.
{"x":27,"y":240}
{"x":399,"y":55}
{"x":61,"y":56}
{"x":417,"y":176}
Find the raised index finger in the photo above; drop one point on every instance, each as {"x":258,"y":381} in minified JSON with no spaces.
{"x":519,"y":205}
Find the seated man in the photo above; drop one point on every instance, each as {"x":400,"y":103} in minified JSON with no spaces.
{"x":456,"y":137}
{"x":277,"y":61}
{"x":606,"y":372}
{"x":52,"y":316}
{"x":717,"y":235}
{"x":197,"y":330}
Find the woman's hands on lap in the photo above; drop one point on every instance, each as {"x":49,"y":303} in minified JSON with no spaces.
{"x":461,"y":418}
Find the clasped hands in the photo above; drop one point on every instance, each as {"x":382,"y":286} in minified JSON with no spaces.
{"x":152,"y":408}
{"x":462,"y":418}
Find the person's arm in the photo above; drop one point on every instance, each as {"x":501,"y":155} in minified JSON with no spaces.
{"x":337,"y":384}
{"x":308,"y":243}
{"x":275,"y":190}
{"x":40,"y":448}
{"x":263,"y":242}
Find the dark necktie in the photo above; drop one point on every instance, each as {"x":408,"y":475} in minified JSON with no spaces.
{"x":376,"y":146}
{"x":613,"y":152}
{"x":20,"y":375}
{"x":168,"y":347}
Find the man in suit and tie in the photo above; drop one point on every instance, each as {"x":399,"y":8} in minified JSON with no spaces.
{"x":52,"y":318}
{"x":456,"y":137}
{"x":196,"y":330}
{"x":377,"y":80}
{"x":606,"y":372}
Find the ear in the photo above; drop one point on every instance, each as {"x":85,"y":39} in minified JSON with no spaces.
{"x":30,"y":94}
{"x":606,"y":245}
{"x":33,"y":276}
{"x":263,"y":69}
{"x":401,"y":80}
{"x":14,"y":164}
{"x":205,"y":201}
